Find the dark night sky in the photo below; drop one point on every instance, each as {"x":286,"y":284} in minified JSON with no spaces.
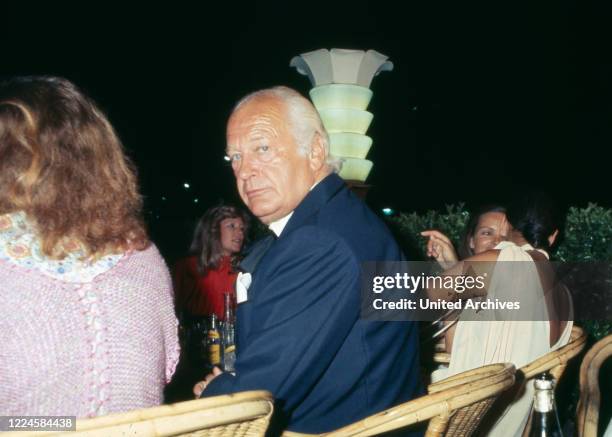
{"x":483,"y":101}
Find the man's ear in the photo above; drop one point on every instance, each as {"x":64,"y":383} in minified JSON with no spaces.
{"x":317,"y":154}
{"x":552,"y":237}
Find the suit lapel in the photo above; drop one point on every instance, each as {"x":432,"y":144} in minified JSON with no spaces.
{"x":249,"y":265}
{"x":320,"y":195}
{"x":256,"y":253}
{"x":312,"y":203}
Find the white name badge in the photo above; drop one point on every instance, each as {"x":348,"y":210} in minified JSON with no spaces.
{"x":243,"y":282}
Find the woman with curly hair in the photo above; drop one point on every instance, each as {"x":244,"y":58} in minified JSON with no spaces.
{"x":87,"y":325}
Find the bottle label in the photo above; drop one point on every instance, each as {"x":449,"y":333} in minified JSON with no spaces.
{"x":214,"y":353}
{"x":543,"y":401}
{"x":229,"y":358}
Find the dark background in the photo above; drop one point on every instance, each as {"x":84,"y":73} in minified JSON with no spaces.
{"x":485,"y":101}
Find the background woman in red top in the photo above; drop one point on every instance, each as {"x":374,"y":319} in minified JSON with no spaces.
{"x":202,"y":278}
{"x":200,"y":281}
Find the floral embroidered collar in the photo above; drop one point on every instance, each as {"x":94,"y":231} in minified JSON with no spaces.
{"x":19,"y":245}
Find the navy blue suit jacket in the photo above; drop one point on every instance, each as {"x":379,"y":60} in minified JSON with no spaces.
{"x":300,"y":336}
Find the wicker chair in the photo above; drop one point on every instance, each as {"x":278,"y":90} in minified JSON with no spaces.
{"x":455,"y":406}
{"x":554,"y":362}
{"x":588,"y":406}
{"x":241,"y":414}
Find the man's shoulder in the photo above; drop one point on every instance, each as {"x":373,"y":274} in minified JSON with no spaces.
{"x":309,"y":248}
{"x":345,"y":208}
{"x":309,"y":257}
{"x":337,"y":217}
{"x":313,"y":237}
{"x":350,"y":219}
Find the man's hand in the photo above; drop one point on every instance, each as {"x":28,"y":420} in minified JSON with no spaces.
{"x":200,"y":386}
{"x":440,"y":247}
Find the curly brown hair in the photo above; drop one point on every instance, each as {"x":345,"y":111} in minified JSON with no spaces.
{"x":62,"y":164}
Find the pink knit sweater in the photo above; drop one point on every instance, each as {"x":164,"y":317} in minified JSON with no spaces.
{"x":81,"y":339}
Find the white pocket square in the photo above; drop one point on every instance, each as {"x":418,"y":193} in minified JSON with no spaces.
{"x":243,"y":282}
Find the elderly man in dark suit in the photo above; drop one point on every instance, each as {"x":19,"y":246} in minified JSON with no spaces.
{"x":299,"y":331}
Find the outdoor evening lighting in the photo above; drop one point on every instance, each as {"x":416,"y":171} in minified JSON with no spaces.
{"x":350,"y":145}
{"x":341,"y":93}
{"x":346,"y":120}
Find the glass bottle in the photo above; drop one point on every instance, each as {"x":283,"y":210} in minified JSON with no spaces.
{"x":545,"y":422}
{"x":214,"y":342}
{"x":227,"y":335}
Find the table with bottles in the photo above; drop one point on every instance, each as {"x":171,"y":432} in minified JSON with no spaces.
{"x":220,"y":338}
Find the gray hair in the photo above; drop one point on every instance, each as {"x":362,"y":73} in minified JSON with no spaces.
{"x":304,"y":120}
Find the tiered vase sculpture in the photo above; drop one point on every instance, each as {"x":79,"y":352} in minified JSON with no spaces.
{"x":341,"y":93}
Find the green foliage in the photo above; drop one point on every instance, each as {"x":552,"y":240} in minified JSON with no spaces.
{"x":408,"y":228}
{"x":588,"y":235}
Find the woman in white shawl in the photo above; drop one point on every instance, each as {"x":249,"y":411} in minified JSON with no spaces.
{"x":485,"y":337}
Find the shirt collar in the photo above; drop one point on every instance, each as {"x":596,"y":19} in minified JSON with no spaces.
{"x":278,"y":225}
